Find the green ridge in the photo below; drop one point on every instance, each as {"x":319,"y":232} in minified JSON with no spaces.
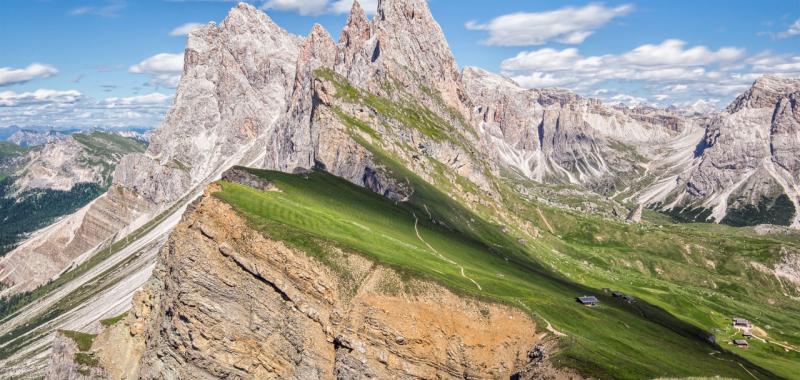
{"x":616,"y":340}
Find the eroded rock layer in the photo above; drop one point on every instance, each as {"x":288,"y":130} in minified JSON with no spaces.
{"x":229,"y":302}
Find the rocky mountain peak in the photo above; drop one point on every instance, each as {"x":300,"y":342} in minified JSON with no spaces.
{"x":357,"y":29}
{"x":236,"y":82}
{"x":765,"y":92}
{"x":412,"y":49}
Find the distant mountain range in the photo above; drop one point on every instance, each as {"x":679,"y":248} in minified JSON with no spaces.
{"x":363,"y":208}
{"x":33,"y":136}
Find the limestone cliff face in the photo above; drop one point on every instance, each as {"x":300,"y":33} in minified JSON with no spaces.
{"x":235,"y":84}
{"x":739,"y":166}
{"x":229,"y":302}
{"x":380,"y":73}
{"x":69,"y":241}
{"x":237,"y":78}
{"x":556,"y":136}
{"x":748,"y":153}
{"x":57,"y":166}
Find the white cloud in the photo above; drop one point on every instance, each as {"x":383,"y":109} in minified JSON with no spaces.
{"x":794,"y":30}
{"x":164,"y":69}
{"x":72,"y":109}
{"x":667,"y":72}
{"x":318,"y":7}
{"x":646,"y":60}
{"x":769,"y":63}
{"x":35,"y":70}
{"x":41,"y":96}
{"x":185,"y":29}
{"x":343,"y":6}
{"x":568,"y":25}
{"x":155,"y":98}
{"x":670,"y":61}
{"x":303,"y":7}
{"x":159,"y":63}
{"x":672,"y":52}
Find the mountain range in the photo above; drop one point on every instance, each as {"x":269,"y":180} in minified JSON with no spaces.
{"x":313,"y":208}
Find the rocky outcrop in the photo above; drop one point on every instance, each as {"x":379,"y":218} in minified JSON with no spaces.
{"x":57,"y":166}
{"x":747,"y":159}
{"x":556,"y":136}
{"x":64,"y":366}
{"x":229,"y":302}
{"x":742,"y":170}
{"x":29,"y":138}
{"x":354,"y":98}
{"x":71,"y":160}
{"x":72,"y":240}
{"x":236,"y":81}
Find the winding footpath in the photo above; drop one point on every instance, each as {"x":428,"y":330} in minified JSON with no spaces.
{"x":416,"y":221}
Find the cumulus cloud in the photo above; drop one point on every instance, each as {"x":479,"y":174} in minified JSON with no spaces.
{"x":41,"y":96}
{"x":670,"y":67}
{"x":318,"y":7}
{"x":72,"y":109}
{"x":164,"y":69}
{"x":794,"y":30}
{"x":302,"y":7}
{"x":185,"y":29}
{"x":343,"y":6}
{"x":778,"y":64}
{"x":155,"y":98}
{"x":10,"y":75}
{"x":672,"y":52}
{"x":668,"y":73}
{"x":568,"y":25}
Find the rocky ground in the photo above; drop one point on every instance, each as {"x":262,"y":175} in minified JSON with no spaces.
{"x":225,"y":301}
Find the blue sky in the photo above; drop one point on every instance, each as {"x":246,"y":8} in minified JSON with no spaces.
{"x":113,"y":63}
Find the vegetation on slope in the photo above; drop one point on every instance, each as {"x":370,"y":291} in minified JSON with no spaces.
{"x":10,"y":158}
{"x":702,"y":274}
{"x":35,"y":209}
{"x":616,"y":340}
{"x":10,"y":306}
{"x":30,"y":210}
{"x":10,"y":149}
{"x":105,"y":149}
{"x":778,"y":210}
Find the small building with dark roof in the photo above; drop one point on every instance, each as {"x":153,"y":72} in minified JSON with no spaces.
{"x":617,"y":294}
{"x":740,"y":343}
{"x":589,"y":300}
{"x":629,"y":299}
{"x":740,"y":322}
{"x":747,"y":334}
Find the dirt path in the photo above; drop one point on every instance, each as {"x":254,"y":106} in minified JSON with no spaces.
{"x":553,"y":330}
{"x":416,"y":221}
{"x":549,"y":327}
{"x":546,"y":223}
{"x":714,"y":355}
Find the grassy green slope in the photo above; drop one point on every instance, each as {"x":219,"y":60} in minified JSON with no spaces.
{"x":696,"y":276}
{"x":8,"y":154}
{"x":615,"y":340}
{"x":104,"y":149}
{"x":9,"y":149}
{"x":702,"y":273}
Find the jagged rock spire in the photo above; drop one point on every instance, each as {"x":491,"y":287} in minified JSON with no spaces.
{"x":357,"y":29}
{"x":414,"y":51}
